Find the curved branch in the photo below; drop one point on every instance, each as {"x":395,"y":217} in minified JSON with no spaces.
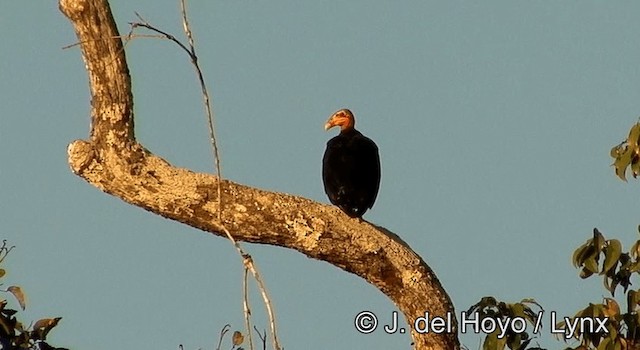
{"x":114,"y":162}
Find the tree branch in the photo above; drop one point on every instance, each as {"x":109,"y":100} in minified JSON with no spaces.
{"x":114,"y":162}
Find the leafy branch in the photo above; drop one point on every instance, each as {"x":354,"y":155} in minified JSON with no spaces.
{"x":604,"y":257}
{"x":13,"y":334}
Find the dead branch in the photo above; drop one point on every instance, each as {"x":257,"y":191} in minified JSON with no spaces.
{"x":114,"y":162}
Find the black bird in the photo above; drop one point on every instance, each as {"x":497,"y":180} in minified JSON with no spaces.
{"x":350,"y":167}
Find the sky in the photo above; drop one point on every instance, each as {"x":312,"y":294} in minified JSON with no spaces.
{"x":494,"y":121}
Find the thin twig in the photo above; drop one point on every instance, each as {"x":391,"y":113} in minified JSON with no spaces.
{"x":126,"y":38}
{"x":205,"y":93}
{"x":144,"y":24}
{"x":209,"y":111}
{"x":212,"y":136}
{"x":245,"y":305}
{"x":247,"y":260}
{"x":4,"y":251}
{"x":210,"y":124}
{"x":224,"y":331}
{"x":248,"y":263}
{"x":263,"y":338}
{"x":207,"y":104}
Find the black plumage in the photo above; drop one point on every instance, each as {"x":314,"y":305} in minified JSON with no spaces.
{"x":350,"y":167}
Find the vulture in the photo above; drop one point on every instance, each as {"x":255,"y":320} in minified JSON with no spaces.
{"x":350,"y":167}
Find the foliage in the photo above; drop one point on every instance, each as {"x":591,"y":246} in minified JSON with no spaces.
{"x":627,"y":154}
{"x":599,"y":326}
{"x":621,"y":330}
{"x":504,"y":314}
{"x":13,"y":334}
{"x":617,"y":267}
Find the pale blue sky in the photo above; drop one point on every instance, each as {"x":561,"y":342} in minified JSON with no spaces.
{"x":494,"y":121}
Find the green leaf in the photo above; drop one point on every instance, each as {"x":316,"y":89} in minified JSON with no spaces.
{"x":517,"y":310}
{"x":611,"y":308}
{"x":625,"y":153}
{"x":617,"y":150}
{"x":622,"y":162}
{"x":2,"y":272}
{"x":610,"y":284}
{"x":632,"y":300}
{"x":578,"y":255}
{"x":603,"y":344}
{"x":634,"y":267}
{"x":612,"y":253}
{"x":617,"y":345}
{"x":491,"y":342}
{"x":634,"y":136}
{"x":586,"y":312}
{"x":585,"y":273}
{"x":613,"y":333}
{"x":591,"y":265}
{"x":501,"y":343}
{"x":598,"y":240}
{"x":635,"y":165}
{"x":598,"y":310}
{"x":635,"y":253}
{"x":515,"y":341}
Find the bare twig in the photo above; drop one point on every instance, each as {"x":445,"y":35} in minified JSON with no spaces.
{"x":166,"y":35}
{"x":245,"y":305}
{"x":127,"y":38}
{"x":263,"y":337}
{"x":4,"y":250}
{"x":224,"y":331}
{"x":207,"y":105}
{"x":246,"y":257}
{"x":248,"y":261}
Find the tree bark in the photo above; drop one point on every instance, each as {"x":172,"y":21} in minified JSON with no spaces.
{"x":114,"y":162}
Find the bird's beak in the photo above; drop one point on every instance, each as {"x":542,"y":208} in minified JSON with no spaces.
{"x":331,"y":122}
{"x":328,"y":125}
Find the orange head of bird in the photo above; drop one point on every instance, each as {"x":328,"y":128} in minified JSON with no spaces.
{"x":342,"y":118}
